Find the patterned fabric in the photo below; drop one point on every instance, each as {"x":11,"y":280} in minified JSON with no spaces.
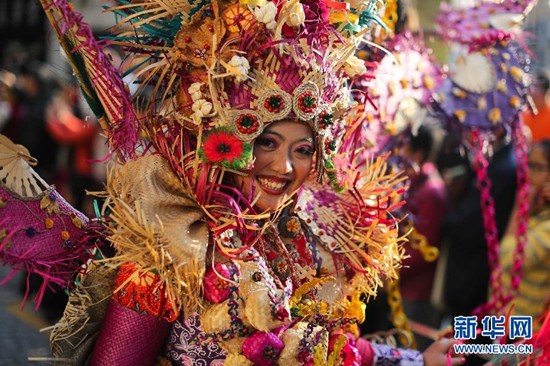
{"x":182,"y":350}
{"x":385,"y":355}
{"x":141,"y":292}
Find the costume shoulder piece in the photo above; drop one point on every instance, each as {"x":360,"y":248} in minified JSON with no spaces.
{"x":40,"y":232}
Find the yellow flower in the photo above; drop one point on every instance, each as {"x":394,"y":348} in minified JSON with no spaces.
{"x":459,"y":93}
{"x":48,"y":223}
{"x":516,"y":73}
{"x":77,"y":221}
{"x":460,"y":114}
{"x":515,"y":102}
{"x":65,"y":235}
{"x":495,"y":116}
{"x":501,"y":86}
{"x":49,"y":203}
{"x":292,"y":226}
{"x":429,"y":82}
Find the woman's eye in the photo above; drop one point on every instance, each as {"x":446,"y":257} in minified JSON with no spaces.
{"x":305,"y":150}
{"x":265,"y":142}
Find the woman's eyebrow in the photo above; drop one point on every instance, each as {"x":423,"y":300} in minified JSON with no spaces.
{"x":308,"y":139}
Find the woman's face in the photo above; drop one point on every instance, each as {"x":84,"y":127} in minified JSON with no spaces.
{"x":539,"y":168}
{"x":283,"y":159}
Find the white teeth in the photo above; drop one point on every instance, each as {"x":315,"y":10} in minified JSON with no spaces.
{"x":269,"y":184}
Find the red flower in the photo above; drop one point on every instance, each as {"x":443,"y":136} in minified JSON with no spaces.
{"x":221,"y":146}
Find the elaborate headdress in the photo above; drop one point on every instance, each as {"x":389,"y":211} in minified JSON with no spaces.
{"x":402,"y":91}
{"x":224,"y":70}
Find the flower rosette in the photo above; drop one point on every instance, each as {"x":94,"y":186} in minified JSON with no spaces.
{"x":274,"y":105}
{"x":306,"y":101}
{"x":262,"y":348}
{"x":246,"y":124}
{"x":222,"y":147}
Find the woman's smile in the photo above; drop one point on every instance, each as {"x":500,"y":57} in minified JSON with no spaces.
{"x":273,"y":185}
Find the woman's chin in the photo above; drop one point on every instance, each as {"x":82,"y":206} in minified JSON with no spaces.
{"x":270,"y":202}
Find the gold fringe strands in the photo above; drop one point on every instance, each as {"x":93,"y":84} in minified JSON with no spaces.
{"x":174,"y":245}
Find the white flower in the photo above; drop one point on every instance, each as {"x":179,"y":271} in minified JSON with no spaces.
{"x":241,"y":65}
{"x":355,"y":66}
{"x":195,"y":91}
{"x":266,"y":14}
{"x":202,"y":107}
{"x":197,"y":120}
{"x":297,"y":15}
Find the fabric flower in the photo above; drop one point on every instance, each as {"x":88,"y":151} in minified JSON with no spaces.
{"x":266,"y":14}
{"x":216,"y":288}
{"x":240,"y":67}
{"x":49,"y":203}
{"x":262,"y":348}
{"x":195,"y":91}
{"x":297,"y":15}
{"x":202,"y":107}
{"x":354,"y":66}
{"x":224,"y":148}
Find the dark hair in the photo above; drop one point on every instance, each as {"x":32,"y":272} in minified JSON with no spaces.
{"x":542,"y":81}
{"x":422,"y":140}
{"x":545,"y":146}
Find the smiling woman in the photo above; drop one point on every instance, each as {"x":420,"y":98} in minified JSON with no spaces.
{"x":283,"y":161}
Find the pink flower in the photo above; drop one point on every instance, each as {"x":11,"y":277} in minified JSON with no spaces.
{"x":262,"y":348}
{"x":216,"y":288}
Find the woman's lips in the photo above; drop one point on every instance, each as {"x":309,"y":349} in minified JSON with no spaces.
{"x":272,"y":185}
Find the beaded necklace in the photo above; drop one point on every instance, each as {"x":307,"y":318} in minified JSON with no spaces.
{"x":499,"y":297}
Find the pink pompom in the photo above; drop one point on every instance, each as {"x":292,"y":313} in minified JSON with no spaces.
{"x":351,"y":355}
{"x":216,"y":288}
{"x":262,"y":348}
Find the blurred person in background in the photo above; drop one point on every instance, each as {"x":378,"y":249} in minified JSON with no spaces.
{"x":7,"y":102}
{"x":465,"y":270}
{"x":534,"y":288}
{"x":427,"y":205}
{"x":72,"y":127}
{"x":33,"y":92}
{"x":538,"y":117}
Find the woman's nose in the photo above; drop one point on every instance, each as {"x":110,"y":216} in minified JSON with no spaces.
{"x":282,"y":164}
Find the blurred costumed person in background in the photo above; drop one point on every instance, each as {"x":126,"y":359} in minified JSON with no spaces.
{"x":243,"y":233}
{"x":537,"y":118}
{"x":483,"y":100}
{"x":533,"y":292}
{"x":397,"y":120}
{"x":532,"y":297}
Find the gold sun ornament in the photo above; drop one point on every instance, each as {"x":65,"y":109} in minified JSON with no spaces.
{"x":17,"y":174}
